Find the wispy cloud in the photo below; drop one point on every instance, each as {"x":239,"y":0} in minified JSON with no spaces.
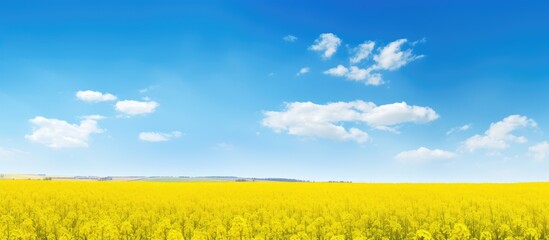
{"x":356,"y":74}
{"x":388,"y":58}
{"x":148,"y":89}
{"x":539,"y":151}
{"x":12,"y":154}
{"x":158,"y":136}
{"x":459,"y":129}
{"x":423,"y":154}
{"x":290,"y":38}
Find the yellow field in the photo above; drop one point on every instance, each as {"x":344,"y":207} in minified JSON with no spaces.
{"x":145,"y":210}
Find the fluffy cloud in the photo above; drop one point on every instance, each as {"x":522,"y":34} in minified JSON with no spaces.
{"x":392,"y":57}
{"x":387,"y":58}
{"x":459,"y":129}
{"x":327,"y":43}
{"x":158,"y":136}
{"x":131,"y":107}
{"x":56,"y":133}
{"x":338,"y":71}
{"x":303,"y":70}
{"x":290,"y":38}
{"x":362,"y":51}
{"x":424,"y":154}
{"x":539,"y":151}
{"x":396,"y":113}
{"x":325,"y":121}
{"x":356,"y":74}
{"x":499,"y":135}
{"x":92,"y":96}
{"x":364,"y":75}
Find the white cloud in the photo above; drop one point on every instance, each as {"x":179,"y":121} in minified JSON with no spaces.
{"x":459,"y":129}
{"x":327,"y":43}
{"x":158,"y":136}
{"x":498,"y":136}
{"x":364,"y":75}
{"x":148,"y":89}
{"x":396,"y":113}
{"x":303,"y":70}
{"x":423,"y":40}
{"x":94,"y":117}
{"x":131,"y":107}
{"x":423,"y":154}
{"x":92,"y":96}
{"x":388,"y":58}
{"x":356,"y":74}
{"x":290,"y":38}
{"x":391,"y":57}
{"x":326,"y":121}
{"x":338,"y":71}
{"x":362,"y":51}
{"x":539,"y":151}
{"x":56,"y":133}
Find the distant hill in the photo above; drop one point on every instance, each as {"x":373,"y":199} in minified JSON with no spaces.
{"x":23,"y":176}
{"x":217,"y":179}
{"x":145,"y":178}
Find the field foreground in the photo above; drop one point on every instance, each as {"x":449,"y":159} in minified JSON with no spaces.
{"x":263,"y":210}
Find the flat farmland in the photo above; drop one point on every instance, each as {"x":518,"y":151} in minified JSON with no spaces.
{"x":271,"y":210}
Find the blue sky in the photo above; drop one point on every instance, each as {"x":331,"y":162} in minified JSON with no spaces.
{"x":384,"y":92}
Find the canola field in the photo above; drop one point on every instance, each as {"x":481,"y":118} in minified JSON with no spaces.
{"x":263,"y":210}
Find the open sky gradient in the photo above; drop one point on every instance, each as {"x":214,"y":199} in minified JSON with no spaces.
{"x":380,"y":91}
